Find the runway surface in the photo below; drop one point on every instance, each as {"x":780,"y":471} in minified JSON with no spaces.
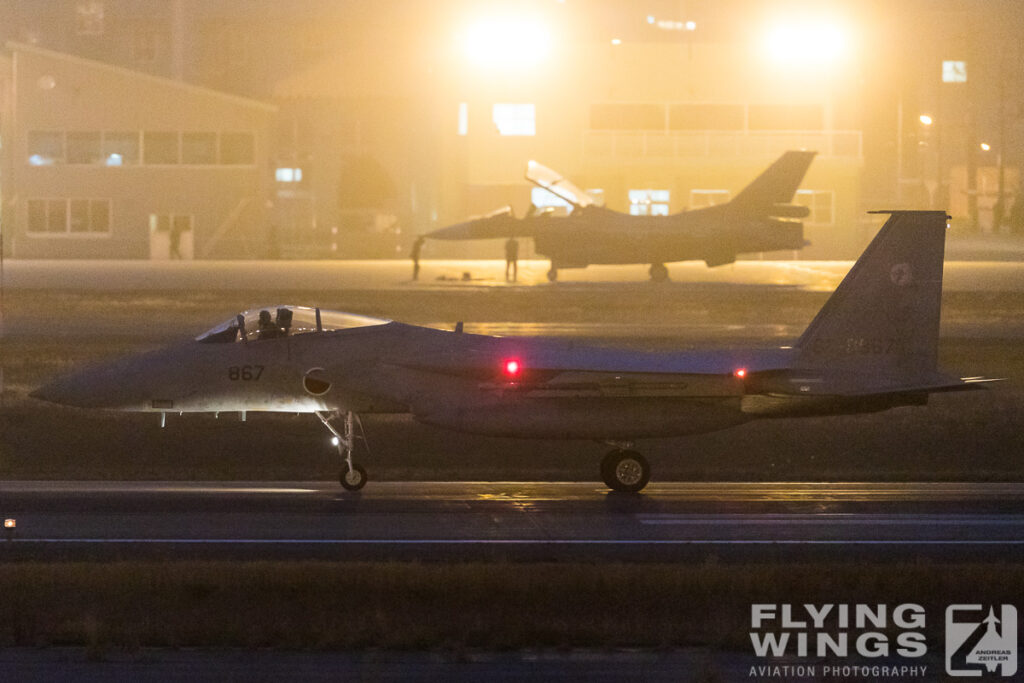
{"x":515,"y":520}
{"x":987,"y":276}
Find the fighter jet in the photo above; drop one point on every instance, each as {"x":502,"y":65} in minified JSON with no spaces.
{"x":872,"y":347}
{"x":760,"y":218}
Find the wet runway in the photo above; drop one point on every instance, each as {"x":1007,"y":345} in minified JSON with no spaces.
{"x":515,"y":520}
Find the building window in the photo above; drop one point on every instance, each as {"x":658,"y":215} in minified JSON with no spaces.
{"x":288,"y":175}
{"x":515,"y":119}
{"x":84,"y":148}
{"x":121,"y":148}
{"x":47,"y":216}
{"x":954,"y":71}
{"x":45,"y":147}
{"x":69,"y":216}
{"x":463,"y":118}
{"x":821,"y":204}
{"x":786,"y":117}
{"x":648,"y":202}
{"x":159,"y":148}
{"x":199,"y":148}
{"x":237,"y":149}
{"x":706,"y":117}
{"x":89,"y":18}
{"x":700,"y":199}
{"x":627,"y":117}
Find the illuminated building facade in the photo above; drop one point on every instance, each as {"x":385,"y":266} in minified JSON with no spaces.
{"x":103,"y":162}
{"x":398,"y":116}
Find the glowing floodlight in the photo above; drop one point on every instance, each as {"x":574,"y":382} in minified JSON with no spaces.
{"x":10,"y":523}
{"x":507,"y":42}
{"x":807,"y":42}
{"x":985,"y":147}
{"x":925,"y":119}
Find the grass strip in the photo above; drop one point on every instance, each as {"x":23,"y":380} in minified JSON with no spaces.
{"x":351,"y":606}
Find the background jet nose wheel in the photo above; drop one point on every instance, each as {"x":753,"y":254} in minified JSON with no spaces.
{"x":625,"y":471}
{"x":658,"y":272}
{"x":353,"y":479}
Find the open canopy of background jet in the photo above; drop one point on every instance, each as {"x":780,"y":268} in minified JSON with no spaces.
{"x":556,"y":184}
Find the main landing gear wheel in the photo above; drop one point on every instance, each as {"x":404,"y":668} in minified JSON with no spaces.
{"x":658,"y":272}
{"x":552,"y":274}
{"x":354,"y":478}
{"x":625,"y":471}
{"x":353,"y":475}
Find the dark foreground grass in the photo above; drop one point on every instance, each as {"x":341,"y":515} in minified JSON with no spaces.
{"x":346,"y":606}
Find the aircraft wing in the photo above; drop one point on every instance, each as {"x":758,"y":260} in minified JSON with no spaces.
{"x":596,"y":371}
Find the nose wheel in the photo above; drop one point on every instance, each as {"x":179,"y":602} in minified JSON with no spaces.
{"x":658,"y":272}
{"x":353,"y":475}
{"x":625,"y":471}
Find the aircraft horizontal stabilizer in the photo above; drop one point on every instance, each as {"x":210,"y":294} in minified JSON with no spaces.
{"x":936,"y":387}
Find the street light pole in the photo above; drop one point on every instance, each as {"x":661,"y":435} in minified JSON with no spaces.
{"x":1000,"y":206}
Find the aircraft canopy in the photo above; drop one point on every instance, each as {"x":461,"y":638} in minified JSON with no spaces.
{"x":553,"y":182}
{"x":269,"y":322}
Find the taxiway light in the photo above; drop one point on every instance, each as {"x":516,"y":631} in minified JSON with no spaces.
{"x":512,"y":368}
{"x":740,"y":373}
{"x":10,"y":523}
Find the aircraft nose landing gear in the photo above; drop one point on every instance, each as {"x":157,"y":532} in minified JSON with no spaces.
{"x":625,"y":471}
{"x":353,"y":475}
{"x":658,"y":272}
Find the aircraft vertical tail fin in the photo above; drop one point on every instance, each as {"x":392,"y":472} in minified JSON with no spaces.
{"x":777,"y":184}
{"x":885,"y":313}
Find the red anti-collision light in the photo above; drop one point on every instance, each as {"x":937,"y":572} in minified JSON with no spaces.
{"x":512,"y":368}
{"x":740,"y":373}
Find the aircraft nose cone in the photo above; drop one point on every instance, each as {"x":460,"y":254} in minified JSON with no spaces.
{"x":458,"y":231}
{"x":67,"y":391}
{"x":105,"y":386}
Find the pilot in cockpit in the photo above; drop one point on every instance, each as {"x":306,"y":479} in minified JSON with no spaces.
{"x":267,"y":329}
{"x":284,"y":321}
